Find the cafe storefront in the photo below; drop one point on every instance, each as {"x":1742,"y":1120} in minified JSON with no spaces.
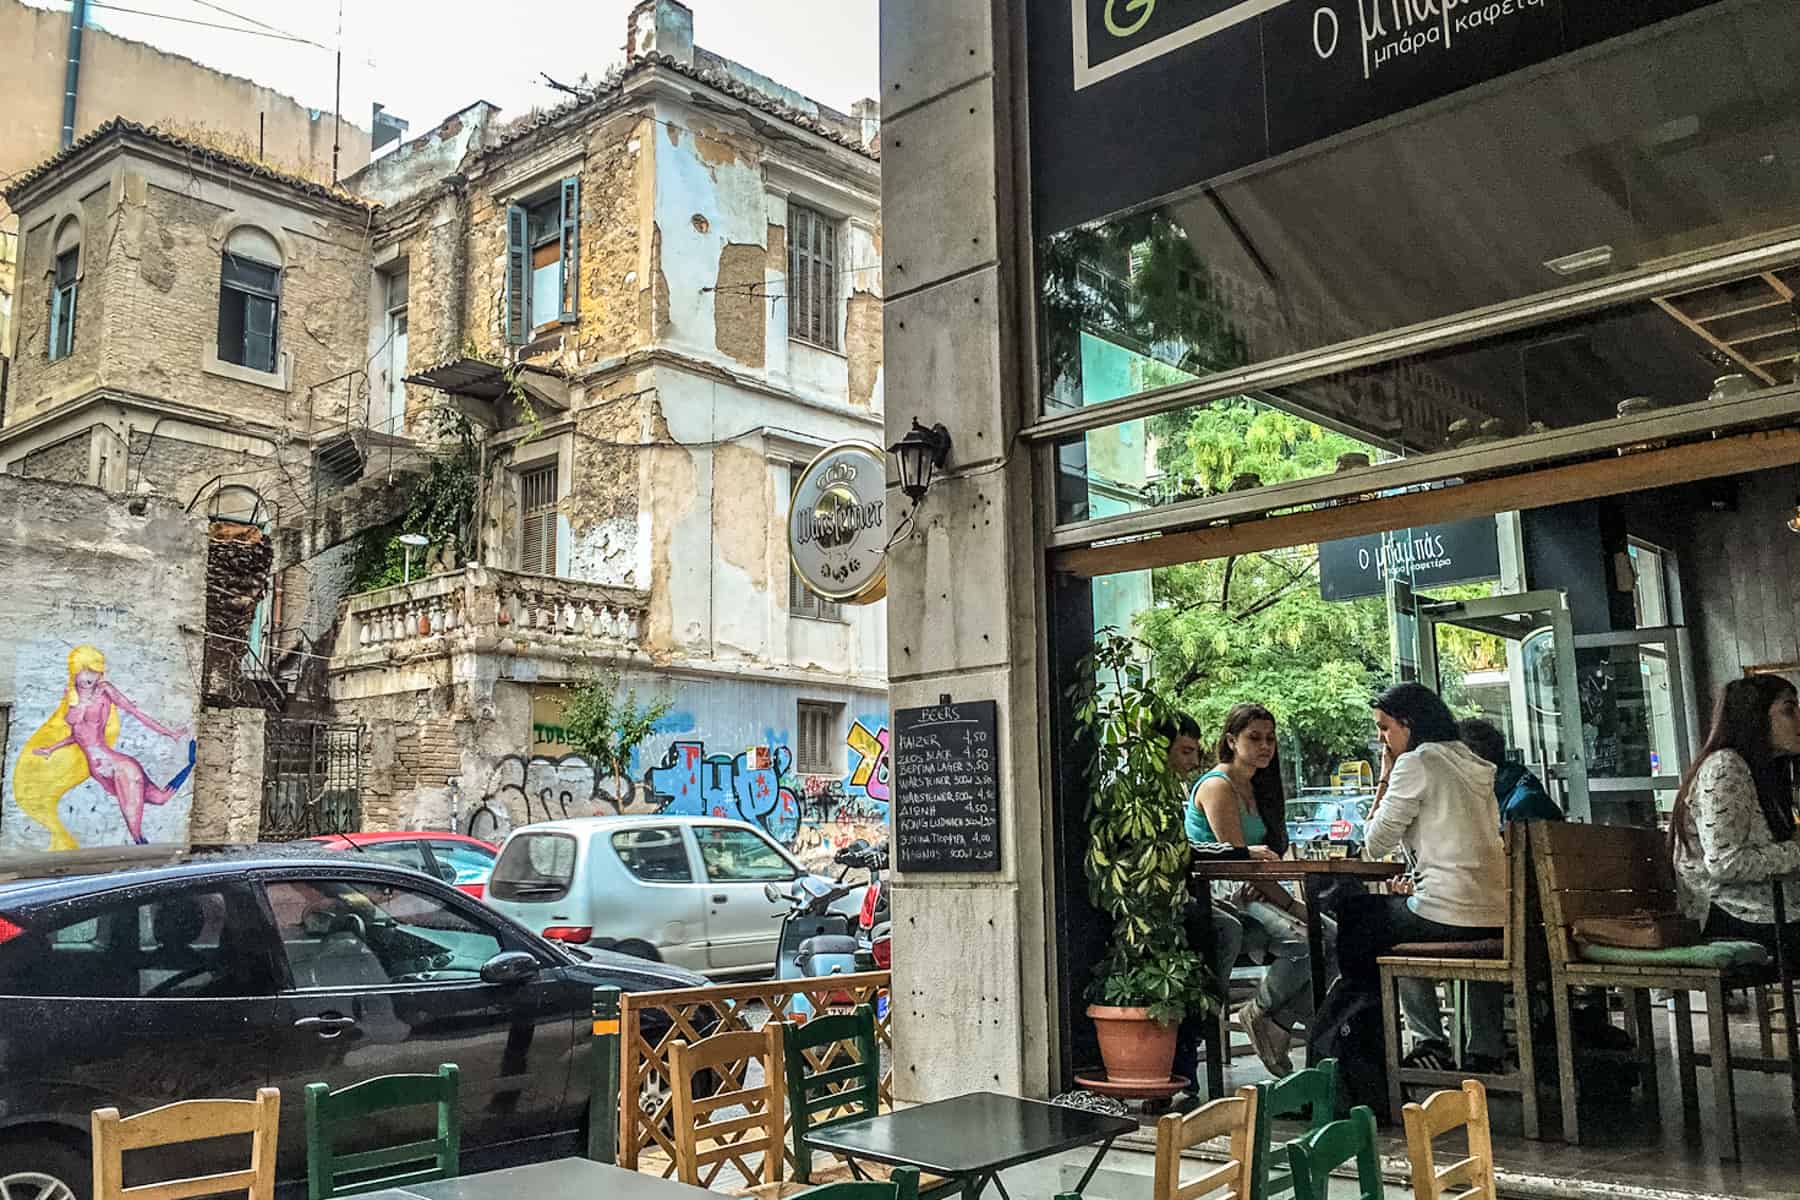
{"x":1469,"y":328}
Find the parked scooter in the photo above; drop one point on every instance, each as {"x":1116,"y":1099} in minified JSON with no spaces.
{"x":815,"y":940}
{"x":874,"y":930}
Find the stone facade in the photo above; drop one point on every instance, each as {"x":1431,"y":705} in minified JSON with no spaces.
{"x":682,"y":406}
{"x":112,"y":611}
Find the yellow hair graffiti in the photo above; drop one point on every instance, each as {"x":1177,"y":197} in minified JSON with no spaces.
{"x":39,"y":782}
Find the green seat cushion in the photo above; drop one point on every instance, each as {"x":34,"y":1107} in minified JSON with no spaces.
{"x":1716,"y":955}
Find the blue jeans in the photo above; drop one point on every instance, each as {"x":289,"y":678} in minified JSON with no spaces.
{"x":1228,"y":938}
{"x":1286,"y":990}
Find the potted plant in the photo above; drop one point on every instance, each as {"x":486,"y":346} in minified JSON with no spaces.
{"x":1136,"y":865}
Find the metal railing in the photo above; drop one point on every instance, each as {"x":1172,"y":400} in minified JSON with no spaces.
{"x":646,"y":1108}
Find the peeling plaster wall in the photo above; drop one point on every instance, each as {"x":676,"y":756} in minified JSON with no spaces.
{"x":132,"y":588}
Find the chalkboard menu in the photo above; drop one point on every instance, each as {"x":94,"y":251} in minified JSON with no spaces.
{"x":947,"y":787}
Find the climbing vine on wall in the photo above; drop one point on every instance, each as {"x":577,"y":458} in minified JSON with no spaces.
{"x":442,"y":508}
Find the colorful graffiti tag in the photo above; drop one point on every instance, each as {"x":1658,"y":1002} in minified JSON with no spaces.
{"x":690,"y":782}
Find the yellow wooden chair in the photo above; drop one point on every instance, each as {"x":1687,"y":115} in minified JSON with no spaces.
{"x":1233,"y":1117}
{"x":1470,"y":1178}
{"x":188,"y":1121}
{"x":752,"y":1144}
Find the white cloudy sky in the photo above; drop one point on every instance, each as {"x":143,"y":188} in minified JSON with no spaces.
{"x":425,"y":59}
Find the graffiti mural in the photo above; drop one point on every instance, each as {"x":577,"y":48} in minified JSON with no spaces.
{"x":78,"y":743}
{"x":692,"y":783}
{"x":870,"y":771}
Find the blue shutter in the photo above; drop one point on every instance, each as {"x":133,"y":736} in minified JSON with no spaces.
{"x":518,"y":264}
{"x":571,"y":246}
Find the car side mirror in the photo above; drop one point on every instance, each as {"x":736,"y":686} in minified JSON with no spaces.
{"x":773,"y":893}
{"x":512,"y":966}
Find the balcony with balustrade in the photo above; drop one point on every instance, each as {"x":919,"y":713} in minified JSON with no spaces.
{"x":482,"y":610}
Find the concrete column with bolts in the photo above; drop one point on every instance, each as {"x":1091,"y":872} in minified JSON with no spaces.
{"x":973,"y":961}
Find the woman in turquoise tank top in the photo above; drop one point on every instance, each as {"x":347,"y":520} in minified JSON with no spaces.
{"x":1241,"y":802}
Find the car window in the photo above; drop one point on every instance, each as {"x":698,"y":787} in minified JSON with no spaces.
{"x":534,"y":867}
{"x":654,"y":855}
{"x":341,"y":933}
{"x":186,"y":945}
{"x":463,"y":863}
{"x":400,"y":854}
{"x":739,"y":856}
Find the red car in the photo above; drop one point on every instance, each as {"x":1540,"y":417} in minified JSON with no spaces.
{"x":464,"y":862}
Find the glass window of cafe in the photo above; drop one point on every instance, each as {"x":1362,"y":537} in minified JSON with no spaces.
{"x":1340,"y":232}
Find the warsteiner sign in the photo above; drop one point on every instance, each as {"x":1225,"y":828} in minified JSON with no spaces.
{"x":837,"y":524}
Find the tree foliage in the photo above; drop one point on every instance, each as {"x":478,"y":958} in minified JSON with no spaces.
{"x":442,"y":508}
{"x":605,"y":723}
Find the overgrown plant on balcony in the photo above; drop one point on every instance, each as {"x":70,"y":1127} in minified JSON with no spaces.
{"x":605,"y":724}
{"x":1136,"y":862}
{"x":442,"y":508}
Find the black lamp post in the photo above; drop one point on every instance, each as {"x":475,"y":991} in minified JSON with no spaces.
{"x":920,"y":453}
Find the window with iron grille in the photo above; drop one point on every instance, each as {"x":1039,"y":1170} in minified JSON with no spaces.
{"x":802,"y":600}
{"x":816,"y":727}
{"x":537,"y":521}
{"x":812,"y":276}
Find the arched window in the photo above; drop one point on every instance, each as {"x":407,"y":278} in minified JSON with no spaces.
{"x":64,"y":283}
{"x":250,"y":300}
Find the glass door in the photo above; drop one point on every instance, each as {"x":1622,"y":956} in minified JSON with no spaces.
{"x":1514,"y":662}
{"x":1638,"y":719}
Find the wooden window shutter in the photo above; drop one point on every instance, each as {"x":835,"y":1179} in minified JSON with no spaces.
{"x":571,"y":247}
{"x":518,"y":280}
{"x":802,"y":600}
{"x":537,"y":524}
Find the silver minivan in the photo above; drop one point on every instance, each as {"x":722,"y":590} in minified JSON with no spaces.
{"x":682,"y":890}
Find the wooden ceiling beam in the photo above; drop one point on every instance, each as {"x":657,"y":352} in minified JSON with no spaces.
{"x":1544,"y":488}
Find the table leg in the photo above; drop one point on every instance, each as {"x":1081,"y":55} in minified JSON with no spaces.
{"x":1093,"y":1166}
{"x":1310,"y":887}
{"x":1000,"y":1186}
{"x":973,"y":1186}
{"x":1212,"y":1025}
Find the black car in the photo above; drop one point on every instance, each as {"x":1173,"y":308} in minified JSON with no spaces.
{"x":212,"y":975}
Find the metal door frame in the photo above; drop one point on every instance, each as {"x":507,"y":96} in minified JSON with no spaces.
{"x":1674,"y":639}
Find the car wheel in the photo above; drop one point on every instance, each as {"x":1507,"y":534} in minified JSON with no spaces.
{"x":638,"y":948}
{"x":41,"y":1169}
{"x":654,"y":1093}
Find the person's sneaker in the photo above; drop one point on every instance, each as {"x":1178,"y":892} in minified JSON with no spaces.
{"x":1269,"y":1040}
{"x":1430,"y":1055}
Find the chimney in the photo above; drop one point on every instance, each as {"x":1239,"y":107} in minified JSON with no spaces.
{"x":664,"y":27}
{"x":868,"y":112}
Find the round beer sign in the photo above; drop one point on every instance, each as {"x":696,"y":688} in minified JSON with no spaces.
{"x":837,"y":524}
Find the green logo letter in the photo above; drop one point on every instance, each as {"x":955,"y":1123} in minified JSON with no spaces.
{"x":1142,"y":7}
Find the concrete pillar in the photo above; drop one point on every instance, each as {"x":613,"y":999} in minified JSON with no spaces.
{"x":973,"y":962}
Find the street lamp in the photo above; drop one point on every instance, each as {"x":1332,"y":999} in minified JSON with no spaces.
{"x":412,"y":541}
{"x":920,"y":453}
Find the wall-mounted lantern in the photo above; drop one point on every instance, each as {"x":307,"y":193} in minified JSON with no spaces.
{"x":919,"y":454}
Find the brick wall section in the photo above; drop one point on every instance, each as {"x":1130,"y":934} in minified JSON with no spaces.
{"x":65,"y":462}
{"x":34,"y":377}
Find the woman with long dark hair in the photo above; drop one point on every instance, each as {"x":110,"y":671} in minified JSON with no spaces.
{"x":1732,"y":827}
{"x":1241,"y":802}
{"x":1434,"y":802}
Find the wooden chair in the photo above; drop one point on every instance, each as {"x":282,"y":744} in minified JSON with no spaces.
{"x":1502,"y":962}
{"x":1233,"y":1117}
{"x":188,"y":1121}
{"x":1471,"y":1178}
{"x":1612,"y":870}
{"x":736,"y":1140}
{"x":821,"y":1095}
{"x":1315,"y":1156}
{"x":1311,"y":1094}
{"x":903,"y":1185}
{"x":329,"y":1113}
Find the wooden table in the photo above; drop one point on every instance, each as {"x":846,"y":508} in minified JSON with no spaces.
{"x":972,"y":1138}
{"x":1314,"y":875}
{"x":564,"y":1179}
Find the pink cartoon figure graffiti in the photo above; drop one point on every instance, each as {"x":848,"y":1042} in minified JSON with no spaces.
{"x":80,"y":742}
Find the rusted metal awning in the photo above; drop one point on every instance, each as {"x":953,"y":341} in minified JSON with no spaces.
{"x":477,"y":379}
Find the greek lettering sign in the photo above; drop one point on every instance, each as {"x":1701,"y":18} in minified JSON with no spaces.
{"x":1424,"y":555}
{"x":1136,"y":99}
{"x":837,"y":524}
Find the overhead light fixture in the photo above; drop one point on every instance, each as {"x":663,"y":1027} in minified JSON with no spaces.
{"x":1582,"y":260}
{"x":920,"y":453}
{"x":1794,"y":521}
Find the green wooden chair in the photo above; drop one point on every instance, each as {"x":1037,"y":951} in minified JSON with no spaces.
{"x":819,"y":1099}
{"x":904,"y":1185}
{"x":1316,"y":1155}
{"x":328,"y":1112}
{"x":1310,"y":1094}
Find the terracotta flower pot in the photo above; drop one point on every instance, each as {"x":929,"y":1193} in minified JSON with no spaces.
{"x":1133,"y":1048}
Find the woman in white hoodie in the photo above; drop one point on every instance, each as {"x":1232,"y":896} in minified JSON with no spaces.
{"x":1435,"y":803}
